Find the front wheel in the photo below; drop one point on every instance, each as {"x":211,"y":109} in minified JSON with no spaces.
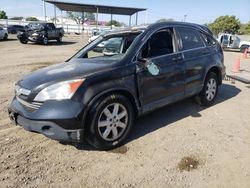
{"x":110,"y":121}
{"x":23,"y":41}
{"x":45,"y":40}
{"x":209,"y":91}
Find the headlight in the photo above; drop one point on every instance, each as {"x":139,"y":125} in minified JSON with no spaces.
{"x":59,"y":91}
{"x":35,"y":34}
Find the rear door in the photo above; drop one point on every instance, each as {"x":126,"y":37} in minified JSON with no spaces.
{"x":196,"y":57}
{"x":225,"y":41}
{"x":168,"y":86}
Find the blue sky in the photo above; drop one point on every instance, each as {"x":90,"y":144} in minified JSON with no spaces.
{"x":198,"y":11}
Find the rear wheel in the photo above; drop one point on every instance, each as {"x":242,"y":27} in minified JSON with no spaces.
{"x":209,"y":91}
{"x":5,"y":36}
{"x":243,"y":48}
{"x":59,"y":40}
{"x":110,"y":121}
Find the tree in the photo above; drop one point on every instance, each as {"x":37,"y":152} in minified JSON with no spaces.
{"x":114,"y":22}
{"x":225,"y":24}
{"x":3,"y":15}
{"x":248,"y":28}
{"x":34,"y":19}
{"x":79,"y":17}
{"x":164,"y":20}
{"x":16,"y":18}
{"x":244,"y":29}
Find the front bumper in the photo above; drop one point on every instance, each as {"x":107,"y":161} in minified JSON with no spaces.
{"x":32,"y":38}
{"x":37,"y":38}
{"x":55,"y":121}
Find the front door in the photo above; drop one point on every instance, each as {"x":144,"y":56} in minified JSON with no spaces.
{"x":168,"y":86}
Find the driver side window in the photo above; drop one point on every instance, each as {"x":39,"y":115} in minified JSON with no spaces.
{"x":160,"y":43}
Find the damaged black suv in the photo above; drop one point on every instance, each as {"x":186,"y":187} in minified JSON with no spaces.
{"x":97,"y":94}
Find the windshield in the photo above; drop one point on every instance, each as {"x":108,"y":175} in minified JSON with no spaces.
{"x":34,"y":26}
{"x":114,"y":46}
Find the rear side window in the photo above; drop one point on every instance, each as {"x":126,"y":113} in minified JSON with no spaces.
{"x":190,"y":38}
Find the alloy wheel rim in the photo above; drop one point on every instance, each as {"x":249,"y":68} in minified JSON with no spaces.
{"x":211,"y":89}
{"x":45,"y":40}
{"x":113,"y":121}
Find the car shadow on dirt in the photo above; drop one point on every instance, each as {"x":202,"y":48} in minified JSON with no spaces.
{"x":177,"y":111}
{"x":9,"y":39}
{"x":54,"y":43}
{"x":167,"y":115}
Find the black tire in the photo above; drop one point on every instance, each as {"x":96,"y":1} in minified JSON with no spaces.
{"x":243,"y":48}
{"x":24,"y":41}
{"x":5,"y":36}
{"x":45,"y":40}
{"x":202,"y":98}
{"x":94,"y":136}
{"x":59,"y":40}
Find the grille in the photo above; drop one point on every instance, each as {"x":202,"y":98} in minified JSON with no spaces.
{"x":33,"y":105}
{"x":22,"y":95}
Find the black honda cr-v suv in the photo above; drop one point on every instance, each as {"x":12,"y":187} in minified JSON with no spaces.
{"x":96,"y":94}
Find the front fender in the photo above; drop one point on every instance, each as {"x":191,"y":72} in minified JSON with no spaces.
{"x":244,"y":43}
{"x":124,"y":85}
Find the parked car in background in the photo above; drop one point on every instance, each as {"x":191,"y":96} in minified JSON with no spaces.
{"x":96,"y":34}
{"x":96,"y":97}
{"x":229,"y":41}
{"x":14,"y":29}
{"x":3,"y":33}
{"x":109,"y":47}
{"x":41,"y":33}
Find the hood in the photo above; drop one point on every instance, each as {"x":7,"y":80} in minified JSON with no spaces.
{"x":76,"y":68}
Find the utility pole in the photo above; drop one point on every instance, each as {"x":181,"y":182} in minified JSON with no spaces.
{"x":44,"y":8}
{"x":55,"y":14}
{"x":146,"y":17}
{"x":185,"y":17}
{"x":62,"y":18}
{"x":97,"y":12}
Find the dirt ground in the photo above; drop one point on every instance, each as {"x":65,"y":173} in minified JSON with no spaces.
{"x":182,"y":145}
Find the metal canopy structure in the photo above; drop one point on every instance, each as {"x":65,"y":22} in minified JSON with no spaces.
{"x":78,"y":7}
{"x":92,"y":8}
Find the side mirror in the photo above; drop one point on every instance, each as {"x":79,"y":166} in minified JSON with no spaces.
{"x":152,"y":68}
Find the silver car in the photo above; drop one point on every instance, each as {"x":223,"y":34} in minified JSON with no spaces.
{"x":3,"y":33}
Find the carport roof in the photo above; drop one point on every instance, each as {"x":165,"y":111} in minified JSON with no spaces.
{"x":78,"y":7}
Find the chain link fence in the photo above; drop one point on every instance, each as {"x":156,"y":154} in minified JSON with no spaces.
{"x":68,"y":28}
